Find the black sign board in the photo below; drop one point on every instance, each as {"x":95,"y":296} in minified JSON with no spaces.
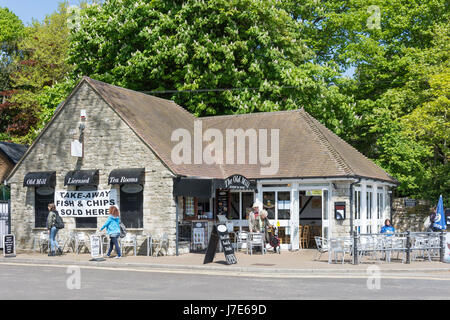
{"x":9,"y":246}
{"x":220,"y":232}
{"x":238,"y":182}
{"x":410,"y":202}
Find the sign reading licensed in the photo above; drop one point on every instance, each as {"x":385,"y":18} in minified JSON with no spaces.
{"x":85,"y":203}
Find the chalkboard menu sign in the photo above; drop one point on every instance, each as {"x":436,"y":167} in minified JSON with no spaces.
{"x":9,"y":246}
{"x":220,"y":233}
{"x":223,"y":197}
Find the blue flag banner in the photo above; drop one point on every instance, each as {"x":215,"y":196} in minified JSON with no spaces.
{"x":440,"y":221}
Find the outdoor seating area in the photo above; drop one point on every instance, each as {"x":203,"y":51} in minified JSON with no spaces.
{"x":404,"y":247}
{"x":79,"y":243}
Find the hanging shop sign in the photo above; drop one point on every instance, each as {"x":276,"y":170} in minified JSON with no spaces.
{"x":40,"y":179}
{"x":9,"y":245}
{"x":238,"y":182}
{"x":220,"y":233}
{"x":85,"y":203}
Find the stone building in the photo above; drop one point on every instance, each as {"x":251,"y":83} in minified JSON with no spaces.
{"x":169,"y":172}
{"x":10,"y":154}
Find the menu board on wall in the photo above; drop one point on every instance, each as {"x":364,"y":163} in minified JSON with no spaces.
{"x":199,"y":235}
{"x":223,"y":200}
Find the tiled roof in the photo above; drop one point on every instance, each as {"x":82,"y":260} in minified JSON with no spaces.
{"x":306,"y":147}
{"x":13,"y":151}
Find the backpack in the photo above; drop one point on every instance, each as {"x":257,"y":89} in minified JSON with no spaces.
{"x":123,"y":230}
{"x":59,"y":223}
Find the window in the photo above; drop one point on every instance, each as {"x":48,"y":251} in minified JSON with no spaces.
{"x":43,"y":196}
{"x":247,"y":203}
{"x":369,"y":205}
{"x":233,"y":214}
{"x":86,"y":222}
{"x":380,"y":205}
{"x":284,"y":208}
{"x":196,"y":208}
{"x":131,"y":205}
{"x":269,"y":204}
{"x":357,"y":204}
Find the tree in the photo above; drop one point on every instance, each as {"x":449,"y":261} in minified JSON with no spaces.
{"x":42,"y":66}
{"x":11,"y":31}
{"x":252,"y":46}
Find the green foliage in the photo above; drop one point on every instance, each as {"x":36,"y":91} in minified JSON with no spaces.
{"x":42,"y":66}
{"x":247,"y":44}
{"x":11,"y":31}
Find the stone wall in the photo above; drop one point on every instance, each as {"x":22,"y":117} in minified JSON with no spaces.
{"x":409,"y":218}
{"x":108,"y":144}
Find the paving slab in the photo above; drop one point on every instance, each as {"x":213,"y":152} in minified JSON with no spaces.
{"x":296,"y":262}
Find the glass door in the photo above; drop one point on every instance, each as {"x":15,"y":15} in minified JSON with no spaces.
{"x":278,"y":205}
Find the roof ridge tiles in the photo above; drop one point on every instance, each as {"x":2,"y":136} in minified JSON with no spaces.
{"x":334,"y":154}
{"x":271,"y":113}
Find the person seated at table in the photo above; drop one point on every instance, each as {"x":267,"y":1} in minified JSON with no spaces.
{"x":387,"y":228}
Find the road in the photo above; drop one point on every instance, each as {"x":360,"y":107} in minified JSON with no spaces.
{"x":23,"y":281}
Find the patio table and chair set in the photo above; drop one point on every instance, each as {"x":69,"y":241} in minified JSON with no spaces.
{"x":80,"y":242}
{"x":411,"y":246}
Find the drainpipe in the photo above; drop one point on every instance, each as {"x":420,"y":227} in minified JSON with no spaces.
{"x":176,"y":210}
{"x":351,"y":204}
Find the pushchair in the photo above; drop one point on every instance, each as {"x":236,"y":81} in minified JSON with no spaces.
{"x":274,"y":240}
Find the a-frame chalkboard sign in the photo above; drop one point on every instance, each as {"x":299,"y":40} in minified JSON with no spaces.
{"x":220,"y":232}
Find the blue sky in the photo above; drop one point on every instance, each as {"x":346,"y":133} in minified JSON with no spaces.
{"x":26,"y":10}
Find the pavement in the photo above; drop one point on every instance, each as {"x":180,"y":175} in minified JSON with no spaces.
{"x":287,"y":263}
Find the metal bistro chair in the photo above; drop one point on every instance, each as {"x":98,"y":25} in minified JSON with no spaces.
{"x":338,"y":246}
{"x":42,"y":239}
{"x":420,"y":244}
{"x":393,"y":244}
{"x":162,"y":242}
{"x":255,"y":239}
{"x":241,"y":240}
{"x":130,"y":240}
{"x":322,"y":246}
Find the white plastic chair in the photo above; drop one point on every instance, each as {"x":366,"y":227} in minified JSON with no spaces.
{"x":128,"y":241}
{"x":255,"y":239}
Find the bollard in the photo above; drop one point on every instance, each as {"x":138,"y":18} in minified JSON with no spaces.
{"x":355,"y":248}
{"x":408,"y":247}
{"x":441,"y":246}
